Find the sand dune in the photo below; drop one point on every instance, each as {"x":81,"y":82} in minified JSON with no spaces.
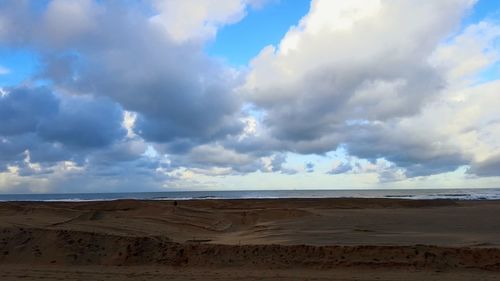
{"x":316,"y":235}
{"x":39,"y":246}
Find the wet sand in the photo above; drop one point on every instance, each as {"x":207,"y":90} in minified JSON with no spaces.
{"x":283,"y":239}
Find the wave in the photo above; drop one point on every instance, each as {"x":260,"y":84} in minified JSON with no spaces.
{"x":415,"y":194}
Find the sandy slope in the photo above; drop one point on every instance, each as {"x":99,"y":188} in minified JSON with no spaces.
{"x":353,"y":239}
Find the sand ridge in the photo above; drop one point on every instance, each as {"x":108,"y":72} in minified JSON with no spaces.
{"x":62,"y":247}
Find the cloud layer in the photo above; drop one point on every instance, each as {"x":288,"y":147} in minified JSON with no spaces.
{"x":125,"y":88}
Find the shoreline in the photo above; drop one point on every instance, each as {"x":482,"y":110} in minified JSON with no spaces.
{"x":412,"y":194}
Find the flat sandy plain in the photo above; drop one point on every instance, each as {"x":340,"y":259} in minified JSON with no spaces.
{"x":275,"y":239}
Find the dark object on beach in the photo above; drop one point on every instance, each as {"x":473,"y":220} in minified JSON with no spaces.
{"x":175,"y":203}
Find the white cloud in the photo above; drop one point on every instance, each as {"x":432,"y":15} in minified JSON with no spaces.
{"x":468,"y":53}
{"x":352,"y":42}
{"x":386,"y":79}
{"x":199,"y":19}
{"x":129,"y":119}
{"x":328,"y":16}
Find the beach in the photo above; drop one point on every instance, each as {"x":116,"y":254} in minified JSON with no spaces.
{"x":251,"y":239}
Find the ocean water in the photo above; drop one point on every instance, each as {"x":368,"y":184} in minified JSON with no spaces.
{"x":410,"y":194}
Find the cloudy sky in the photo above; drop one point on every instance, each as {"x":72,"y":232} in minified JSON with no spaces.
{"x":131,"y":95}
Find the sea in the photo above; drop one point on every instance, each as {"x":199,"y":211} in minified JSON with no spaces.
{"x":409,"y":194}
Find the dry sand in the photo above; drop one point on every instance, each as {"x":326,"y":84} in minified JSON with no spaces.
{"x":285,"y":239}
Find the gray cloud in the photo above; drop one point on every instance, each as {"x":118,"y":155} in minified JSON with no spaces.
{"x":112,"y":49}
{"x":419,"y":154}
{"x":277,"y":162}
{"x":327,"y":98}
{"x":41,"y":130}
{"x":309,"y":167}
{"x":23,"y":109}
{"x":71,"y":121}
{"x":84,"y":122}
{"x":488,"y":168}
{"x":101,"y":58}
{"x":179,"y":93}
{"x":13,"y":148}
{"x":341,"y":169}
{"x":208,"y":156}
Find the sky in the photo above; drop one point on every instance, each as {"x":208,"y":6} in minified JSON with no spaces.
{"x":166,"y":95}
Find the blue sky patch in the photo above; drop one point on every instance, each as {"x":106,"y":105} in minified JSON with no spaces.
{"x":240,"y":42}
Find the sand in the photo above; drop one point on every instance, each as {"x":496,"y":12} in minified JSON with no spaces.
{"x":285,"y":239}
